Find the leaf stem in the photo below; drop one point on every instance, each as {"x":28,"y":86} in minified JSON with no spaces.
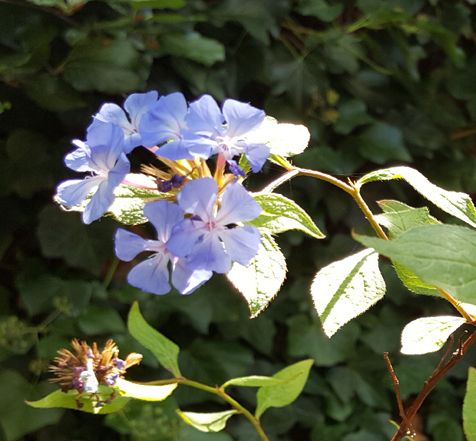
{"x":220,"y":392}
{"x":456,"y":304}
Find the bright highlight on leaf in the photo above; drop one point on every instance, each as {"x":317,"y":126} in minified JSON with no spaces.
{"x":281,"y":214}
{"x":207,"y":422}
{"x":260,"y":281}
{"x":455,"y":203}
{"x":165,"y":350}
{"x":428,"y":334}
{"x":252,"y":381}
{"x":293,"y":379}
{"x":144,"y":392}
{"x":345,"y":289}
{"x":441,"y":255}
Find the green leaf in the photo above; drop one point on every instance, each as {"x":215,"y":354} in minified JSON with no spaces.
{"x":100,"y":320}
{"x":19,"y":173}
{"x":165,"y":350}
{"x":16,"y":418}
{"x":455,"y":203}
{"x":382,"y":143}
{"x":259,"y":282}
{"x":63,"y":235}
{"x":352,"y":113}
{"x":469,"y":406}
{"x":193,"y":46}
{"x":321,"y":9}
{"x":158,"y":4}
{"x":252,"y":381}
{"x":128,"y":205}
{"x":282,"y":214}
{"x":345,"y":289}
{"x":83,"y":402}
{"x":399,"y":217}
{"x":293,"y":379}
{"x":428,"y":334}
{"x":52,"y":93}
{"x":207,"y":422}
{"x":145,"y":392}
{"x":109,"y":66}
{"x":441,"y":255}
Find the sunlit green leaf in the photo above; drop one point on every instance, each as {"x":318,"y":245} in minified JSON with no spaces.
{"x":455,"y":203}
{"x":83,"y":402}
{"x":262,"y":278}
{"x":252,"y":381}
{"x":293,"y":379}
{"x":345,"y":289}
{"x":207,"y":422}
{"x":428,"y":334}
{"x":165,"y":350}
{"x":282,"y":214}
{"x":146,"y":392}
{"x":441,"y":255}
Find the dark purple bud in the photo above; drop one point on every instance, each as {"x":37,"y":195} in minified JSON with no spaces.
{"x":111,"y":379}
{"x":77,"y":384}
{"x":164,"y":186}
{"x":235,"y":168}
{"x":177,"y":181}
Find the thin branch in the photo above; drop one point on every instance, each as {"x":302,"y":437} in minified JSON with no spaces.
{"x":396,"y":388}
{"x":431,"y":382}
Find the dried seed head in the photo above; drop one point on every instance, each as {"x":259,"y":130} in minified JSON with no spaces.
{"x":86,"y":367}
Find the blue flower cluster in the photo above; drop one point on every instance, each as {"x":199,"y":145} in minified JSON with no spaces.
{"x":201,"y":221}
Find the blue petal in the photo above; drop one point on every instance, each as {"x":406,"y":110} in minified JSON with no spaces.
{"x":75,"y":191}
{"x":165,"y":121}
{"x":241,"y":117}
{"x":174,"y":150}
{"x":164,"y":216}
{"x":105,"y":154}
{"x":185,"y":235}
{"x":205,"y":117}
{"x":241,"y":243}
{"x":257,"y":154}
{"x":112,"y":113}
{"x":198,"y":197}
{"x":152,"y":275}
{"x":209,"y":255}
{"x":79,"y":159}
{"x":128,"y":245}
{"x":137,"y":104}
{"x":186,"y":280}
{"x":200,"y":146}
{"x":237,"y":205}
{"x":99,"y":203}
{"x":117,"y":174}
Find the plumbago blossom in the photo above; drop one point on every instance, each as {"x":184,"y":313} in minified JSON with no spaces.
{"x":181,"y":167}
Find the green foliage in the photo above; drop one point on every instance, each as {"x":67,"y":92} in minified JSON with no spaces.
{"x":355,"y":73}
{"x":469,"y":406}
{"x":165,"y":350}
{"x":293,"y":377}
{"x":261,"y":280}
{"x":345,"y":289}
{"x":207,"y":422}
{"x":441,"y":255}
{"x":428,"y":334}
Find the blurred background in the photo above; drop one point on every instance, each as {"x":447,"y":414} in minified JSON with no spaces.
{"x":378,"y":83}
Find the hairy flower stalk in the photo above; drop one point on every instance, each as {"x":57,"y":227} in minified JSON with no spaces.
{"x":87,"y":367}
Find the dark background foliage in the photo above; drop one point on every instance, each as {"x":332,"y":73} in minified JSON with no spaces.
{"x":378,"y":82}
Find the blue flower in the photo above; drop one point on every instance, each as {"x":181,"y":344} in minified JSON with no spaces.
{"x":153,"y":274}
{"x":137,"y":106}
{"x":212,"y":238}
{"x":211,"y":131}
{"x":165,"y":124}
{"x":102,"y":155}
